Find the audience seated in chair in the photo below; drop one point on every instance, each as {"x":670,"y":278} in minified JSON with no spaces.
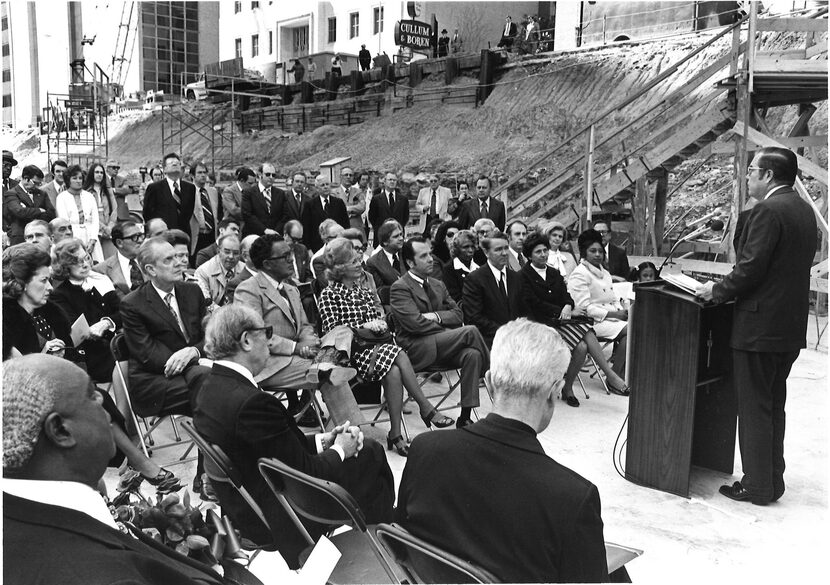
{"x":214,"y":275}
{"x":121,"y":268}
{"x":430,"y":327}
{"x":234,"y":413}
{"x":531,"y":519}
{"x":329,"y":229}
{"x":226,"y":226}
{"x":385,"y":265}
{"x":460,"y":264}
{"x":247,"y":272}
{"x":56,"y":445}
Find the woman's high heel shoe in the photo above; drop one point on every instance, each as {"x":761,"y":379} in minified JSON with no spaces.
{"x":624,"y":391}
{"x":439,"y":420}
{"x":398,"y":444}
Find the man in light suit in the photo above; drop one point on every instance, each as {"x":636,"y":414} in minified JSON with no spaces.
{"x":214,"y":275}
{"x":232,"y":194}
{"x":516,"y":234}
{"x":163,"y":329}
{"x":353,"y":196}
{"x":225,"y":226}
{"x":429,"y":326}
{"x":262,"y":204}
{"x":296,"y":201}
{"x":294,"y":345}
{"x":122,"y":267}
{"x":491,"y":292}
{"x":172,"y":199}
{"x":432,"y":204}
{"x":482,"y":206}
{"x":56,"y":185}
{"x":615,"y":257}
{"x":771,"y":285}
{"x":25,"y":202}
{"x":208,"y":210}
{"x":386,"y":265}
{"x":323,"y":206}
{"x":55,"y":521}
{"x":388,"y":203}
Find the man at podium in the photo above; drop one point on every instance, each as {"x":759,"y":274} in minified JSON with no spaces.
{"x":770,"y":284}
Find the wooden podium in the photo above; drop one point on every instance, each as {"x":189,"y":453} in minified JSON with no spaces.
{"x":682,"y":409}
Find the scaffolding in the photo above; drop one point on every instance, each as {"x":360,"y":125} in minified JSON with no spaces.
{"x":211,"y":123}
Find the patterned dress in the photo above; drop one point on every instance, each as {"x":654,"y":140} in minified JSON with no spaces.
{"x":354,"y":306}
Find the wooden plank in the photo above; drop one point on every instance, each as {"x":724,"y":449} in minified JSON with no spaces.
{"x":785,"y":54}
{"x":792,"y":24}
{"x":804,"y":164}
{"x":819,"y":269}
{"x":816,"y":49}
{"x":791,"y":142}
{"x":765,"y":66}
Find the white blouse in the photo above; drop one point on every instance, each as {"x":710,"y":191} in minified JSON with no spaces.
{"x":66,"y":208}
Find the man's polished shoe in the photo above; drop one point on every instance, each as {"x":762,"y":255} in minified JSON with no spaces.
{"x":463,"y":422}
{"x":739,"y":493}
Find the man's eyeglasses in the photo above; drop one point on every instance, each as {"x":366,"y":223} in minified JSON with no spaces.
{"x":270,"y":174}
{"x":269,"y":331}
{"x":750,"y":169}
{"x":288,"y":256}
{"x":135,"y":238}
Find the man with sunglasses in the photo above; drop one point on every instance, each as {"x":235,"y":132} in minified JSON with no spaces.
{"x":262,"y":204}
{"x":771,"y":285}
{"x":122,"y":267}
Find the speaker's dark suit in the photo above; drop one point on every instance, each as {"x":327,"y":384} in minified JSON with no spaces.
{"x":449,"y":344}
{"x":383,"y":273}
{"x":21,"y":207}
{"x":152,"y":336}
{"x":314,"y":215}
{"x":770,"y":284}
{"x":257,"y":214}
{"x":488,"y":493}
{"x":248,"y":423}
{"x":159,"y":202}
{"x":618,"y":261}
{"x":52,"y":544}
{"x":379,"y":210}
{"x":484,"y":305}
{"x":471,"y":212}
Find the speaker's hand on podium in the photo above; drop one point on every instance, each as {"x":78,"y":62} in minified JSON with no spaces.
{"x":704,"y":291}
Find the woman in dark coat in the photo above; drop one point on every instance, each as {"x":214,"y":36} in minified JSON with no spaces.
{"x":32,"y":323}
{"x":545,"y":298}
{"x":460,"y":265}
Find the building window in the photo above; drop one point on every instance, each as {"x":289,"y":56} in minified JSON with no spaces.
{"x":378,"y":20}
{"x":254,"y":45}
{"x":5,"y":25}
{"x":7,"y":100}
{"x":237,"y":7}
{"x":270,"y":42}
{"x":332,"y":30}
{"x":254,"y":5}
{"x":354,"y":25}
{"x":7,"y":74}
{"x":238,"y":44}
{"x":6,"y":49}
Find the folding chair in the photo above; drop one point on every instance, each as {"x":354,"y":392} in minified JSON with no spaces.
{"x":327,"y":503}
{"x":422,"y":562}
{"x":616,"y":557}
{"x":120,"y":387}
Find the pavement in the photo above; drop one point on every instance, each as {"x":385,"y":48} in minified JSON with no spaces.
{"x":706,"y":538}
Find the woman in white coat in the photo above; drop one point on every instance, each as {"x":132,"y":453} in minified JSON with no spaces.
{"x":592,"y":289}
{"x":80,"y":209}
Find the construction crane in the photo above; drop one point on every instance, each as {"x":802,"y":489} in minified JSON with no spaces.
{"x":127,"y":33}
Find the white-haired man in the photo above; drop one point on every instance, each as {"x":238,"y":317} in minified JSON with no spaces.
{"x":546,"y":527}
{"x":214,"y":275}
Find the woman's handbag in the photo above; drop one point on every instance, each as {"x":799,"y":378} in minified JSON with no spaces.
{"x":364,"y":338}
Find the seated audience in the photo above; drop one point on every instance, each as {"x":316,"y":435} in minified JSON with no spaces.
{"x":516,"y":234}
{"x":483,"y":228}
{"x":592,"y":290}
{"x":560,"y":257}
{"x":25,"y":202}
{"x":442,"y":242}
{"x":491,"y":293}
{"x":616,"y":260}
{"x":122,"y":268}
{"x":33,"y":324}
{"x":429,"y":326}
{"x":345,"y":302}
{"x":214,"y":275}
{"x":302,"y":258}
{"x":57,"y":528}
{"x":181,"y":247}
{"x":645,"y":272}
{"x":460,"y":265}
{"x":329,"y":229}
{"x":61,"y":228}
{"x":545,"y":299}
{"x":546,"y":526}
{"x":385,"y":265}
{"x":247,"y":272}
{"x":154,"y":227}
{"x":39,"y":233}
{"x":226,"y":226}
{"x":234,"y":413}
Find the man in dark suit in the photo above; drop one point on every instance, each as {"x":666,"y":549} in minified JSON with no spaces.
{"x":163,"y":328}
{"x":323,"y":206}
{"x":25,"y":202}
{"x":233,"y":412}
{"x":546,"y":525}
{"x":615,"y":257}
{"x":508,"y":33}
{"x":491,"y":292}
{"x":226,"y":227}
{"x":388,"y":203}
{"x":482,"y":206}
{"x":386,"y":265}
{"x":57,"y":527}
{"x":770,"y":284}
{"x":262,"y":204}
{"x":172,"y":199}
{"x":122,"y":267}
{"x":9,"y":162}
{"x":302,"y":258}
{"x":296,"y":201}
{"x":208,"y":209}
{"x":429,"y":326}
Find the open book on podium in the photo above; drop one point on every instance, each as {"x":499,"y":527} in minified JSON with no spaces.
{"x":683,"y":282}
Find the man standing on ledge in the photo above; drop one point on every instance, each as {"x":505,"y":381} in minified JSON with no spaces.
{"x":770,"y":284}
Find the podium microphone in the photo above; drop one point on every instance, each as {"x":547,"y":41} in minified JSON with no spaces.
{"x":715,"y":225}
